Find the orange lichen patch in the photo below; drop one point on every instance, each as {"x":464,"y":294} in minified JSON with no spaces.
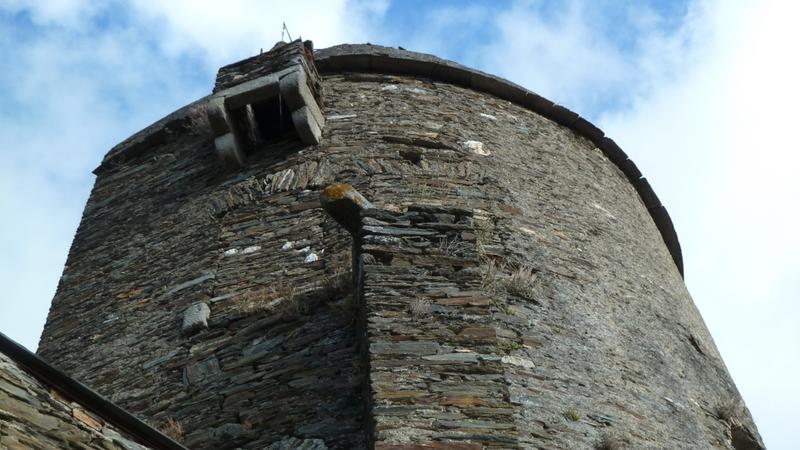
{"x":478,"y":333}
{"x":401,"y":395}
{"x":90,"y":421}
{"x":511,"y":210}
{"x":358,"y":199}
{"x":336,"y":191}
{"x":342,"y":191}
{"x":461,"y":400}
{"x":58,"y":395}
{"x":132,"y":293}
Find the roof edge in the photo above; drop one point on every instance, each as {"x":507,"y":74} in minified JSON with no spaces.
{"x":376,"y":58}
{"x":86,"y":397}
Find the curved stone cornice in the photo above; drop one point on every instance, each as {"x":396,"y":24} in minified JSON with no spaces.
{"x":376,"y":58}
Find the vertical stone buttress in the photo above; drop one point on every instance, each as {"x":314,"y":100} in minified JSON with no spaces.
{"x":517,"y":283}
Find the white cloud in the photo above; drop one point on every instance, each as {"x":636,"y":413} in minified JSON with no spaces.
{"x":704,"y":105}
{"x":718,"y":145}
{"x":560,"y":58}
{"x":569,"y":52}
{"x":62,"y":13}
{"x":73,"y":97}
{"x":242,"y":27}
{"x":565,"y":55}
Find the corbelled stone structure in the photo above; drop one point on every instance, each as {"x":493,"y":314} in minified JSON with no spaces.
{"x":364,"y":247}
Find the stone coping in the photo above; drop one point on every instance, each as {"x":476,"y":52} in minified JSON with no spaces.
{"x":376,"y":58}
{"x":154,"y":134}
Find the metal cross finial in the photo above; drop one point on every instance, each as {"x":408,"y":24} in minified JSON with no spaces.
{"x":285,"y":31}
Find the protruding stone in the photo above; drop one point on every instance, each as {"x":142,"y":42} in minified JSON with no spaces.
{"x":253,"y":91}
{"x":306,"y":125}
{"x":296,"y":94}
{"x":517,"y":361}
{"x":284,"y":78}
{"x":345,"y":205}
{"x":229,"y":152}
{"x":476,"y":147}
{"x":218,"y":116}
{"x":195,"y":318}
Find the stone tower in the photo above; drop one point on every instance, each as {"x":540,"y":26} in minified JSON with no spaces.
{"x":364,"y":247}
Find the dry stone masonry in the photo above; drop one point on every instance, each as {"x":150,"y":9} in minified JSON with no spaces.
{"x":35,"y":416}
{"x":364,"y":247}
{"x":43,"y":408}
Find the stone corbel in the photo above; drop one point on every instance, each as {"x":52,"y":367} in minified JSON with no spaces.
{"x":306,"y":115}
{"x":226,"y":141}
{"x":289,"y":85}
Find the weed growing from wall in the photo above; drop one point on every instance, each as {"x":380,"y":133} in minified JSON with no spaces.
{"x":172,"y":428}
{"x":453,"y":246}
{"x":420,"y":306}
{"x":508,"y":346}
{"x":522,"y":283}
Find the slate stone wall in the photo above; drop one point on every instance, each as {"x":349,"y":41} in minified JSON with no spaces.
{"x":36,"y":417}
{"x":168,"y":230}
{"x":515,"y":291}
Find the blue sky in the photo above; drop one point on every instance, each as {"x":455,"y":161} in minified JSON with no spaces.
{"x":702,"y":94}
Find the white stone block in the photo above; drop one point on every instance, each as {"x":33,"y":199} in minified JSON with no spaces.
{"x":195,"y":318}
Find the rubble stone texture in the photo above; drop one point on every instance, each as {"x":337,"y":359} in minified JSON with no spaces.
{"x":35,"y":417}
{"x":512,"y":285}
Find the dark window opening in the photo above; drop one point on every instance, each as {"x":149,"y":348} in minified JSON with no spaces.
{"x":261,"y":123}
{"x":274,"y":118}
{"x":743,"y":439}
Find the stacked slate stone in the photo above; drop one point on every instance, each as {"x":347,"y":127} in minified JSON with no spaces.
{"x":166,"y":231}
{"x":434,"y":351}
{"x":35,"y":417}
